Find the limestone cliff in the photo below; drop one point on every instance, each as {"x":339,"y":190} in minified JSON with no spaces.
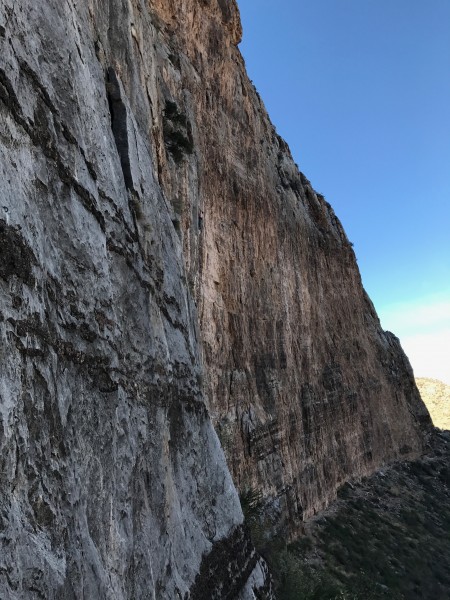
{"x":113,"y":483}
{"x":163,"y":260}
{"x":305,"y":388}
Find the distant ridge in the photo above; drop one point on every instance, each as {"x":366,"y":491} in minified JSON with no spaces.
{"x":436,"y":395}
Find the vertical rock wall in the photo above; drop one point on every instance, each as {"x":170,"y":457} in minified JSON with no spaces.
{"x":113,"y":483}
{"x":305,"y":387}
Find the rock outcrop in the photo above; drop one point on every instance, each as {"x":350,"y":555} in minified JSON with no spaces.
{"x":164,"y":262}
{"x":305,"y":388}
{"x":113,"y":483}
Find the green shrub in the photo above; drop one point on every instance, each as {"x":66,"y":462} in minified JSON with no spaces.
{"x":177,"y":131}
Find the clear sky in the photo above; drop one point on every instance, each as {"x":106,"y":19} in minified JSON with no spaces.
{"x":360,"y":89}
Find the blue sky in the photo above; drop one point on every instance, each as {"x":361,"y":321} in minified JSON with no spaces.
{"x":360,"y":89}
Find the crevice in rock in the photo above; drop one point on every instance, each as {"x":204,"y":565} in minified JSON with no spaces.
{"x":16,"y":257}
{"x":225,"y":570}
{"x":118,"y":112}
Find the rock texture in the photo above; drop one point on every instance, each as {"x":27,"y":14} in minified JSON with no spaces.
{"x":158,"y":248}
{"x":305,"y":388}
{"x":113,"y":483}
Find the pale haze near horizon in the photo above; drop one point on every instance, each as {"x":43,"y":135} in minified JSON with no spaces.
{"x":424,"y":331}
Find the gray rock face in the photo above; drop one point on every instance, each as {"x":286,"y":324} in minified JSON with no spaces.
{"x":112,"y":481}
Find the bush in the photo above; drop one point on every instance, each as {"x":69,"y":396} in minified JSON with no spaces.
{"x":177,"y":132}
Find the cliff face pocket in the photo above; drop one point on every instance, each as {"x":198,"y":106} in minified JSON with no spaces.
{"x":119,"y":124}
{"x":16,"y":257}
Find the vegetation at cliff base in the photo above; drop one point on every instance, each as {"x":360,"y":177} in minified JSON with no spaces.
{"x":385,"y":537}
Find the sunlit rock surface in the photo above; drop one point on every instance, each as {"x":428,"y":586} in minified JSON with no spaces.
{"x":305,"y":388}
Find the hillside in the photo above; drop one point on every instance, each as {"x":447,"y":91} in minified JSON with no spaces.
{"x":436,"y":396}
{"x":386,"y":537}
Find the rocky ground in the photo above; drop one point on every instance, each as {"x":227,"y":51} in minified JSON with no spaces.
{"x":387,"y":536}
{"x":436,"y":396}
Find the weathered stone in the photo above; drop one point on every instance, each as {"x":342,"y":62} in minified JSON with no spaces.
{"x":305,"y":388}
{"x":16,"y":258}
{"x":112,"y":480}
